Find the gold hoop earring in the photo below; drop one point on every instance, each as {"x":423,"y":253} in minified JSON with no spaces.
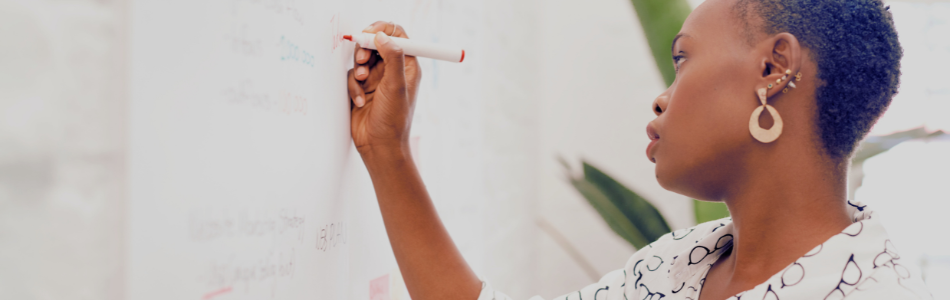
{"x":759,"y":133}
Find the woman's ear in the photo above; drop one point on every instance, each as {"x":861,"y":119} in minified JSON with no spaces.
{"x":782,"y":61}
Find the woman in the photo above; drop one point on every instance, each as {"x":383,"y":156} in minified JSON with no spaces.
{"x":814,"y":74}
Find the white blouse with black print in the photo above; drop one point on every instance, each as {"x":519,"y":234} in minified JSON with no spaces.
{"x":859,"y":263}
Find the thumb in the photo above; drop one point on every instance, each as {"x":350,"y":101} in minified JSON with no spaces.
{"x":394,"y":78}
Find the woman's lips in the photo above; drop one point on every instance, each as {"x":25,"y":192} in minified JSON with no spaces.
{"x":654,"y":138}
{"x":649,"y":151}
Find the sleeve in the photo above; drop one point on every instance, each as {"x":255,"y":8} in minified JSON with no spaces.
{"x":610,"y":287}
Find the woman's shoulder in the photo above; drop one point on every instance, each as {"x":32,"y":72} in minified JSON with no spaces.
{"x":681,"y":240}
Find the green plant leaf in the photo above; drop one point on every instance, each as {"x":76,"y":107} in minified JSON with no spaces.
{"x":617,"y":221}
{"x":661,"y":20}
{"x":707,"y":211}
{"x":644,"y":216}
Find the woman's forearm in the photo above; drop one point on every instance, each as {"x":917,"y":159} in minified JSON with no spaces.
{"x":431,"y":264}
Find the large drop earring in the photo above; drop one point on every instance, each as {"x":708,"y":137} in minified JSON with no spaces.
{"x":759,"y":133}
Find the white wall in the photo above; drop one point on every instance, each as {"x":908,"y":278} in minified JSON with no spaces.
{"x":598,"y":81}
{"x":62,"y":159}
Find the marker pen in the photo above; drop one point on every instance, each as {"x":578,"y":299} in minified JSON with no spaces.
{"x":412,"y":47}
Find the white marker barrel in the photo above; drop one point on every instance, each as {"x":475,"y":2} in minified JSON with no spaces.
{"x":414,"y":47}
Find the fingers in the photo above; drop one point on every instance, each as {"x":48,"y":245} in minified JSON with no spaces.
{"x":361,"y":55}
{"x":360,"y":73}
{"x":394,"y":78}
{"x":413,"y":77}
{"x":354,"y":89}
{"x":377,"y":70}
{"x":386,"y":71}
{"x":389,"y":28}
{"x":363,"y":59}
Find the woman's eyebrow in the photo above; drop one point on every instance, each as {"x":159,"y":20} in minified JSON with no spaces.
{"x":677,"y":37}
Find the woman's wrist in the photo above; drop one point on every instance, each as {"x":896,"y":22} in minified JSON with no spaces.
{"x":381,"y":155}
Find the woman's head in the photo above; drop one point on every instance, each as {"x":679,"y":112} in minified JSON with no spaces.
{"x":849,"y":57}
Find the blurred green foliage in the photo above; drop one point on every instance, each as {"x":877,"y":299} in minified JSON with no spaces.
{"x":661,"y":20}
{"x":628,"y":214}
{"x":706,"y":211}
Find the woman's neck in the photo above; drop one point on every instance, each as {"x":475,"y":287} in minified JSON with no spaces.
{"x":781,"y":210}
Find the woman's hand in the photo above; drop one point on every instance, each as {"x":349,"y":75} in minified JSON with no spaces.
{"x":382,"y":87}
{"x":383,"y":91}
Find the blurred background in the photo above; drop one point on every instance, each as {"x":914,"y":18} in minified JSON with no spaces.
{"x":545,"y":81}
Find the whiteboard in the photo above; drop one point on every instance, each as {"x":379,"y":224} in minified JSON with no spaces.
{"x":240,"y":150}
{"x":155,"y":149}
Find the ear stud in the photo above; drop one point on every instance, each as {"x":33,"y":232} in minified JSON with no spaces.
{"x":791,"y":84}
{"x":798,"y":77}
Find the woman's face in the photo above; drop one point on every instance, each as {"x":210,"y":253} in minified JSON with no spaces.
{"x":701,"y":131}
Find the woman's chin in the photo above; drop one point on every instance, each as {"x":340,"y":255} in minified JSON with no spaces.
{"x":664,"y":178}
{"x":678,"y":181}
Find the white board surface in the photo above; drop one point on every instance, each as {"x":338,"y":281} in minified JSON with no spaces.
{"x":239,"y":147}
{"x":154,"y":149}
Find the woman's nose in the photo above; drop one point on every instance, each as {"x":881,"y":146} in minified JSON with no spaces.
{"x":659,"y":104}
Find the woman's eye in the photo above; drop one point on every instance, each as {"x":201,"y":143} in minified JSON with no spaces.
{"x":677,"y":60}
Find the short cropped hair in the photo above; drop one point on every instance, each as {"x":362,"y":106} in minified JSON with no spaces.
{"x":855,"y":46}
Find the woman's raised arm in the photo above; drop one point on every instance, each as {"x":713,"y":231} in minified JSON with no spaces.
{"x":383,"y":91}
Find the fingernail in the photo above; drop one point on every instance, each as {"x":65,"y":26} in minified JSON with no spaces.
{"x":360,"y":55}
{"x":360,"y":71}
{"x":382,"y":38}
{"x":359,"y":101}
{"x":370,"y":27}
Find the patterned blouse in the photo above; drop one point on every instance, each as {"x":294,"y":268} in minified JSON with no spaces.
{"x":859,"y":263}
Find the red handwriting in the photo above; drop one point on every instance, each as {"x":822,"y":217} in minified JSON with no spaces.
{"x":289,"y":103}
{"x":216,"y":293}
{"x":379,"y":288}
{"x":335,"y":32}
